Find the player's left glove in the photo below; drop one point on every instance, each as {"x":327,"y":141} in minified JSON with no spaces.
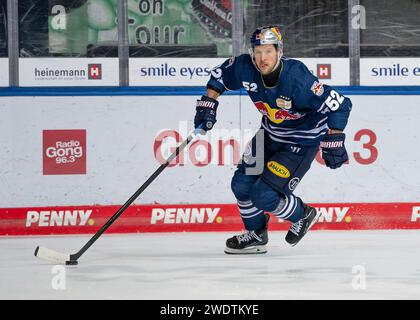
{"x":206,"y":109}
{"x":333,"y":150}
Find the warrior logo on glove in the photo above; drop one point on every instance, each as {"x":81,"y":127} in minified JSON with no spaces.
{"x":206,"y":109}
{"x":333,"y":150}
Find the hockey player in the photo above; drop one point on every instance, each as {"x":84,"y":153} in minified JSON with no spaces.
{"x":299,"y":115}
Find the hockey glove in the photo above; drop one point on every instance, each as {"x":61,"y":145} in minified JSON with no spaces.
{"x":333,"y":150}
{"x":206,"y":112}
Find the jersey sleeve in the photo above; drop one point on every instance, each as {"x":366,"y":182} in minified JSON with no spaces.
{"x":310,"y":92}
{"x":226,"y":76}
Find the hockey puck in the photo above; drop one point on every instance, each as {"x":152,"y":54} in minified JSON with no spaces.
{"x":71,"y":262}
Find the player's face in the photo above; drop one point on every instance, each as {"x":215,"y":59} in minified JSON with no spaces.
{"x":266,"y":57}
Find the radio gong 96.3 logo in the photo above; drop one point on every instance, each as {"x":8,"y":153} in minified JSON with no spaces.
{"x":64,"y":151}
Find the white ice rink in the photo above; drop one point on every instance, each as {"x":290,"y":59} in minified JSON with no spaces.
{"x":187,"y":266}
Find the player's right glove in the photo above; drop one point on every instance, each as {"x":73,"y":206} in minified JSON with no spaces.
{"x":333,"y":150}
{"x":205,"y":112}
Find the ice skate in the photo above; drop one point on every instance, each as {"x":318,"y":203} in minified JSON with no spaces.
{"x":300,"y":228}
{"x":250,"y":242}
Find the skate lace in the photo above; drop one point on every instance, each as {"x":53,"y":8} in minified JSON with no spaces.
{"x":296,"y":227}
{"x":248,"y":236}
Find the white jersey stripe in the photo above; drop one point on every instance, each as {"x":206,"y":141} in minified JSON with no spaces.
{"x":322,"y":120}
{"x":280,"y":134}
{"x":315,"y":130}
{"x":281,"y":140}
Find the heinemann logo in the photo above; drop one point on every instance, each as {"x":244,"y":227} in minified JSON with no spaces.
{"x":92,"y":72}
{"x":59,"y":73}
{"x":95,"y":71}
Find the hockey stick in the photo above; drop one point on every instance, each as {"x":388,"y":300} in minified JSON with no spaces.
{"x":71,"y":259}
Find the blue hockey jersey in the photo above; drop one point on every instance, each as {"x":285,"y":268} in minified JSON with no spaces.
{"x":299,"y":109}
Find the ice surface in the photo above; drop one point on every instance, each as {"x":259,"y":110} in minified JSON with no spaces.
{"x":325,"y":265}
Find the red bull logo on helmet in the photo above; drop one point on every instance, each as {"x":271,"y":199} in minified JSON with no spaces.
{"x":267,"y":35}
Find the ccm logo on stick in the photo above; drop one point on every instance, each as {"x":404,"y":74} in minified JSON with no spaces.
{"x":184,"y":215}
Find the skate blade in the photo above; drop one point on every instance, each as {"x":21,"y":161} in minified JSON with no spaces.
{"x":318,"y":214}
{"x":250,"y":250}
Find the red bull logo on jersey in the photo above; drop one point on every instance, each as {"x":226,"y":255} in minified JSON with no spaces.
{"x":276,"y":115}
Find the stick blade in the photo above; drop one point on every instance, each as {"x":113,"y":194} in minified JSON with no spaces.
{"x":53,"y":256}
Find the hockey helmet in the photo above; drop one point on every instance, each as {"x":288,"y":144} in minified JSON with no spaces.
{"x":267,"y":35}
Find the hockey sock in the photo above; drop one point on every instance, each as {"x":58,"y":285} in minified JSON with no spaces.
{"x":290,"y":208}
{"x":252,"y":217}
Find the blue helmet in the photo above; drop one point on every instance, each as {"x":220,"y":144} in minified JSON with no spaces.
{"x":267,"y":35}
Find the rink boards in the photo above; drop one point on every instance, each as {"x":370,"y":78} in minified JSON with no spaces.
{"x":68,"y":160}
{"x":195,"y":217}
